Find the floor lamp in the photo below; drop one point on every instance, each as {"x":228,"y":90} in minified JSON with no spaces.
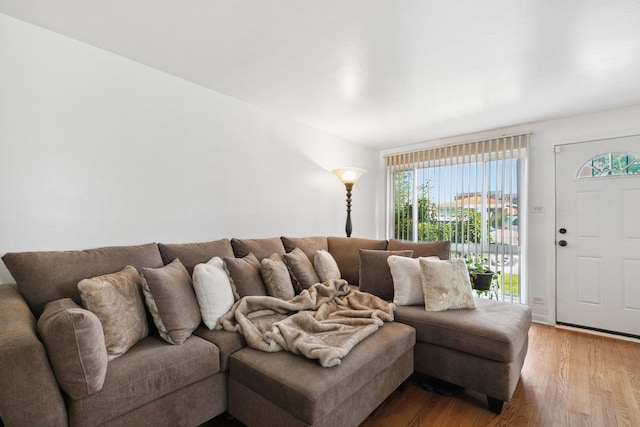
{"x":349,"y":176}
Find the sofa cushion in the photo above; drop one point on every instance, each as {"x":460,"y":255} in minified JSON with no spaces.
{"x":47,"y":276}
{"x":407,"y":283}
{"x":326,"y":266}
{"x":213,"y":290}
{"x":277,"y":280}
{"x":301,"y":269}
{"x":277,"y":376}
{"x":375,"y":274}
{"x":346,"y":252}
{"x":260,"y":248}
{"x":308,"y":245}
{"x":495,"y":330}
{"x":192,"y":254}
{"x":226,"y":341}
{"x":446,"y":284}
{"x":422,"y":249}
{"x":75,"y":346}
{"x":116,"y":299}
{"x":172,"y":301}
{"x":245,"y":275}
{"x":150,"y":370}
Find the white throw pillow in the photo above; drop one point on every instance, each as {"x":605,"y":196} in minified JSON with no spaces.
{"x":213,"y":290}
{"x":446,"y":284}
{"x":407,"y":283}
{"x":326,"y":266}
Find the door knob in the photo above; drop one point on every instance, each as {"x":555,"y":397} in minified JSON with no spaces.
{"x":562,"y":243}
{"x":562,"y":231}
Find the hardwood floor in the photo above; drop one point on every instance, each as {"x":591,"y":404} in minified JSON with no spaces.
{"x":569,"y":379}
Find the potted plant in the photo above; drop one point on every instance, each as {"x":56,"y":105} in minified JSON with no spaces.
{"x":480,"y":274}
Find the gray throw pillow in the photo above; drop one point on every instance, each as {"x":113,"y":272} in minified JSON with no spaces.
{"x":301,"y":268}
{"x":75,"y":346}
{"x":245,"y":276}
{"x":375,"y":274}
{"x":172,"y":301}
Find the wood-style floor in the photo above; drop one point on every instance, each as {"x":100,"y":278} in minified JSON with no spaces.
{"x":569,"y":379}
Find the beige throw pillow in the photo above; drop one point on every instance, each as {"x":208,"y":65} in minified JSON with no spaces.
{"x":407,"y":283}
{"x":171,"y":301}
{"x":117,"y":301}
{"x":326,"y":266}
{"x":446,"y":284}
{"x":75,"y":346}
{"x":277,"y":279}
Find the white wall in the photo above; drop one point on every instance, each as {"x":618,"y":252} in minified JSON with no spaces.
{"x":541,"y":226}
{"x":99,"y":150}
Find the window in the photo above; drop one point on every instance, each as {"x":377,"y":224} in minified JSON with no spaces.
{"x":469,"y":194}
{"x":611,"y":164}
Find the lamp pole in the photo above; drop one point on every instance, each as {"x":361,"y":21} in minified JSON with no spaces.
{"x":348,"y":227}
{"x":349,"y":176}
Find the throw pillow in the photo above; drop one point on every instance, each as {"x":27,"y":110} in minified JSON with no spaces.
{"x":375,"y":275}
{"x":446,"y":284}
{"x":245,"y":276}
{"x":277,"y":279}
{"x":171,"y":301}
{"x":75,"y":346}
{"x":213,"y":290}
{"x":326,"y":266}
{"x":301,"y":269}
{"x":116,"y":299}
{"x":407,"y":283}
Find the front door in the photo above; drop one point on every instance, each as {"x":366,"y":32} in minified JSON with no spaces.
{"x":598,"y":234}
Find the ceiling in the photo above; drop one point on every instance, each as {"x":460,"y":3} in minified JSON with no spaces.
{"x":381,"y":73}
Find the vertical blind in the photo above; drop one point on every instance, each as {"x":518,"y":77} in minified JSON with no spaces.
{"x":469,"y":194}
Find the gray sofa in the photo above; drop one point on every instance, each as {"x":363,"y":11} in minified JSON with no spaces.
{"x":213,"y":371}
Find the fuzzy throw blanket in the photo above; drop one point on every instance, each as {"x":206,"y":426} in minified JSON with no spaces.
{"x":324,"y":322}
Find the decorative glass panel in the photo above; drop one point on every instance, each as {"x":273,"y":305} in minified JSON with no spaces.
{"x":611,"y":164}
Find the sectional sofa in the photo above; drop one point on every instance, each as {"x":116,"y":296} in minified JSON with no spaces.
{"x":52,"y":377}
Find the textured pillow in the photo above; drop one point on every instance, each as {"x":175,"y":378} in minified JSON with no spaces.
{"x":407,"y":283}
{"x":171,"y":301}
{"x":117,"y":301}
{"x":192,"y":254}
{"x":260,"y":248}
{"x":301,"y":269}
{"x":213,"y":290}
{"x":75,"y":346}
{"x":245,"y":276}
{"x":375,"y":275}
{"x":446,"y":284}
{"x":422,"y":249}
{"x":277,"y":279}
{"x":326,"y":266}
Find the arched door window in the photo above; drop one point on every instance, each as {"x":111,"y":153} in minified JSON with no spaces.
{"x":611,"y":164}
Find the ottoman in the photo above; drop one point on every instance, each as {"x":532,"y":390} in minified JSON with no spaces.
{"x":481,"y":349}
{"x":283,"y":389}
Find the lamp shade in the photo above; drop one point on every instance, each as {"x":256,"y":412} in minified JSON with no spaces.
{"x":349,"y":175}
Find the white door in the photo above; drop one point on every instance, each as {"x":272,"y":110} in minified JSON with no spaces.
{"x":598,"y":234}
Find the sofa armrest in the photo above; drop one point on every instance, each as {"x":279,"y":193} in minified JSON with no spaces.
{"x":30,"y":394}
